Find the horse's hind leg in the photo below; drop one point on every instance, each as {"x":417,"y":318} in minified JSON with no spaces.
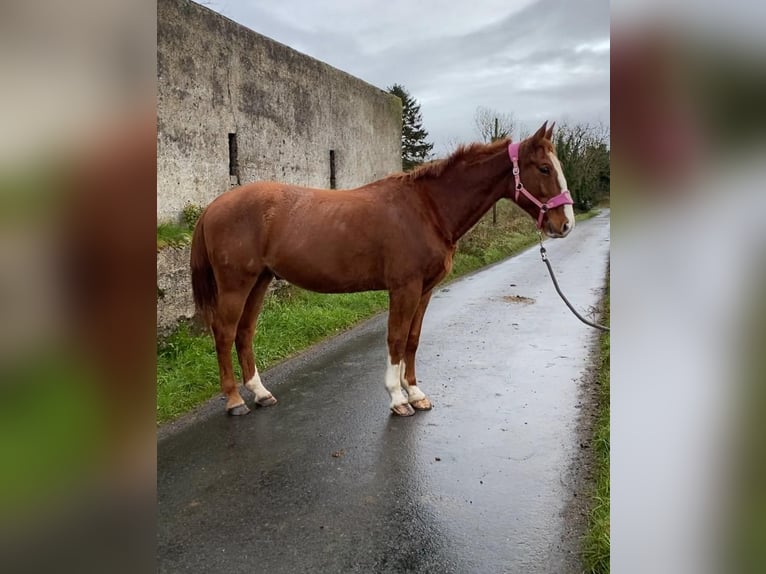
{"x":244,"y":341}
{"x":415,"y":396}
{"x":224,"y":326}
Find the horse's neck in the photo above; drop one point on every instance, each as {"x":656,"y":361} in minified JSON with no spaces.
{"x":463,"y":194}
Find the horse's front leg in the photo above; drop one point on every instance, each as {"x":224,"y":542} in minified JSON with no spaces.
{"x":415,"y":396}
{"x":403,"y":304}
{"x":244,"y":342}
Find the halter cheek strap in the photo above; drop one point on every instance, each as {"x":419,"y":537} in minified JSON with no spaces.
{"x":563,"y":198}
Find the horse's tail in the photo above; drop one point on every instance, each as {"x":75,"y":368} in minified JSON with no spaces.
{"x":203,"y":283}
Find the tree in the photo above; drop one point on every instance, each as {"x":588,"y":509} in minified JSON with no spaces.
{"x":487,"y":120}
{"x":415,"y":149}
{"x":584,"y":154}
{"x":493,"y":126}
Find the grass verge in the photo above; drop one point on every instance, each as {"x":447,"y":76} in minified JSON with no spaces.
{"x":173,"y":235}
{"x":596,"y":541}
{"x":293,"y":319}
{"x":179,"y":233}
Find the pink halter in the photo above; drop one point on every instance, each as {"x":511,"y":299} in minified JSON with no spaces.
{"x":563,"y":198}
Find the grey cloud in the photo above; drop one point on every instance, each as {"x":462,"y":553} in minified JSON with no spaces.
{"x":505,"y":65}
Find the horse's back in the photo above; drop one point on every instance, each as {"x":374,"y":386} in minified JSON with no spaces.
{"x":323,"y":240}
{"x":291,"y":198}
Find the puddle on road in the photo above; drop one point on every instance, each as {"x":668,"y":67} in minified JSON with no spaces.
{"x":520,"y":299}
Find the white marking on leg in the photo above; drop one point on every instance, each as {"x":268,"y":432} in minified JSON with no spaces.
{"x":413,"y":392}
{"x":568,"y":211}
{"x":256,"y":387}
{"x":394,"y":383}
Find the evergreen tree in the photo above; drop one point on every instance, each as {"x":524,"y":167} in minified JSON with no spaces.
{"x":415,"y":148}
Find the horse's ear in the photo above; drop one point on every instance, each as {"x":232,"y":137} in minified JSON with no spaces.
{"x":540,"y":134}
{"x":549,"y":132}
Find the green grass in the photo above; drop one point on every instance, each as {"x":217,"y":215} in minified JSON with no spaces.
{"x":173,"y":235}
{"x":596,"y":541}
{"x":178,"y":234}
{"x":294,"y":319}
{"x":498,"y":249}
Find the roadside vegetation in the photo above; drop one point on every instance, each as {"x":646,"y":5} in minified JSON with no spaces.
{"x":583,"y":150}
{"x":293,"y":319}
{"x":178,"y":233}
{"x":596,"y":542}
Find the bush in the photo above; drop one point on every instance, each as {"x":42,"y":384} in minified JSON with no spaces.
{"x":191,"y":214}
{"x":171,"y":234}
{"x":584,"y":154}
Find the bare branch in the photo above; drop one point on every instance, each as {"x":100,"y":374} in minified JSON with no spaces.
{"x":485,"y":120}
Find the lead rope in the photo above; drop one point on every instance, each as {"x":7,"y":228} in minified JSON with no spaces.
{"x":544,"y":256}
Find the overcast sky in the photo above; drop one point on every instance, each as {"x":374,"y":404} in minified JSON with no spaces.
{"x":535,"y":59}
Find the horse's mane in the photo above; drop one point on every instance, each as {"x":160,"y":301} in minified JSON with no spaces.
{"x":469,"y":153}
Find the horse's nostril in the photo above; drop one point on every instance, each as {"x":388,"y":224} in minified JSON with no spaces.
{"x":565,"y":228}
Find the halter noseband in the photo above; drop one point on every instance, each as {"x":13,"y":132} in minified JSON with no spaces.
{"x":563,"y":198}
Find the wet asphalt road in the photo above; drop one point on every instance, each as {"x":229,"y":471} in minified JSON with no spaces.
{"x":327,"y":481}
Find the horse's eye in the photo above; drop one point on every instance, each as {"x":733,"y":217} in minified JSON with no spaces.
{"x":545,"y":169}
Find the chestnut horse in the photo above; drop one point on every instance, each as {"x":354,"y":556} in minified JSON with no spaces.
{"x":396,"y":234}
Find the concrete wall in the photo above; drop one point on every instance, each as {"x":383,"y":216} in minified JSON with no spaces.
{"x":174,"y":295}
{"x":287,"y":109}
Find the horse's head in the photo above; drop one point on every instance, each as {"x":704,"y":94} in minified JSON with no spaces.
{"x":538,"y":185}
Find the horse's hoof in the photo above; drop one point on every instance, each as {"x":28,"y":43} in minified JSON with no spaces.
{"x":404,"y":410}
{"x":266,"y":401}
{"x":422,"y":405}
{"x":237,"y":411}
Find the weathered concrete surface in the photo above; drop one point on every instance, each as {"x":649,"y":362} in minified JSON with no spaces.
{"x":288,"y":110}
{"x":174,"y":296}
{"x":327,"y":481}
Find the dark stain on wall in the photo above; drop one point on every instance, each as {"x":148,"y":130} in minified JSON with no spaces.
{"x":246,"y":63}
{"x":218,"y":96}
{"x":256,"y":101}
{"x":188,"y":66}
{"x":180,"y":139}
{"x":302,"y":111}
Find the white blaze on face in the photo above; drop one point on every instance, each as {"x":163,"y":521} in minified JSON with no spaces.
{"x":568,"y":211}
{"x":394,"y":375}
